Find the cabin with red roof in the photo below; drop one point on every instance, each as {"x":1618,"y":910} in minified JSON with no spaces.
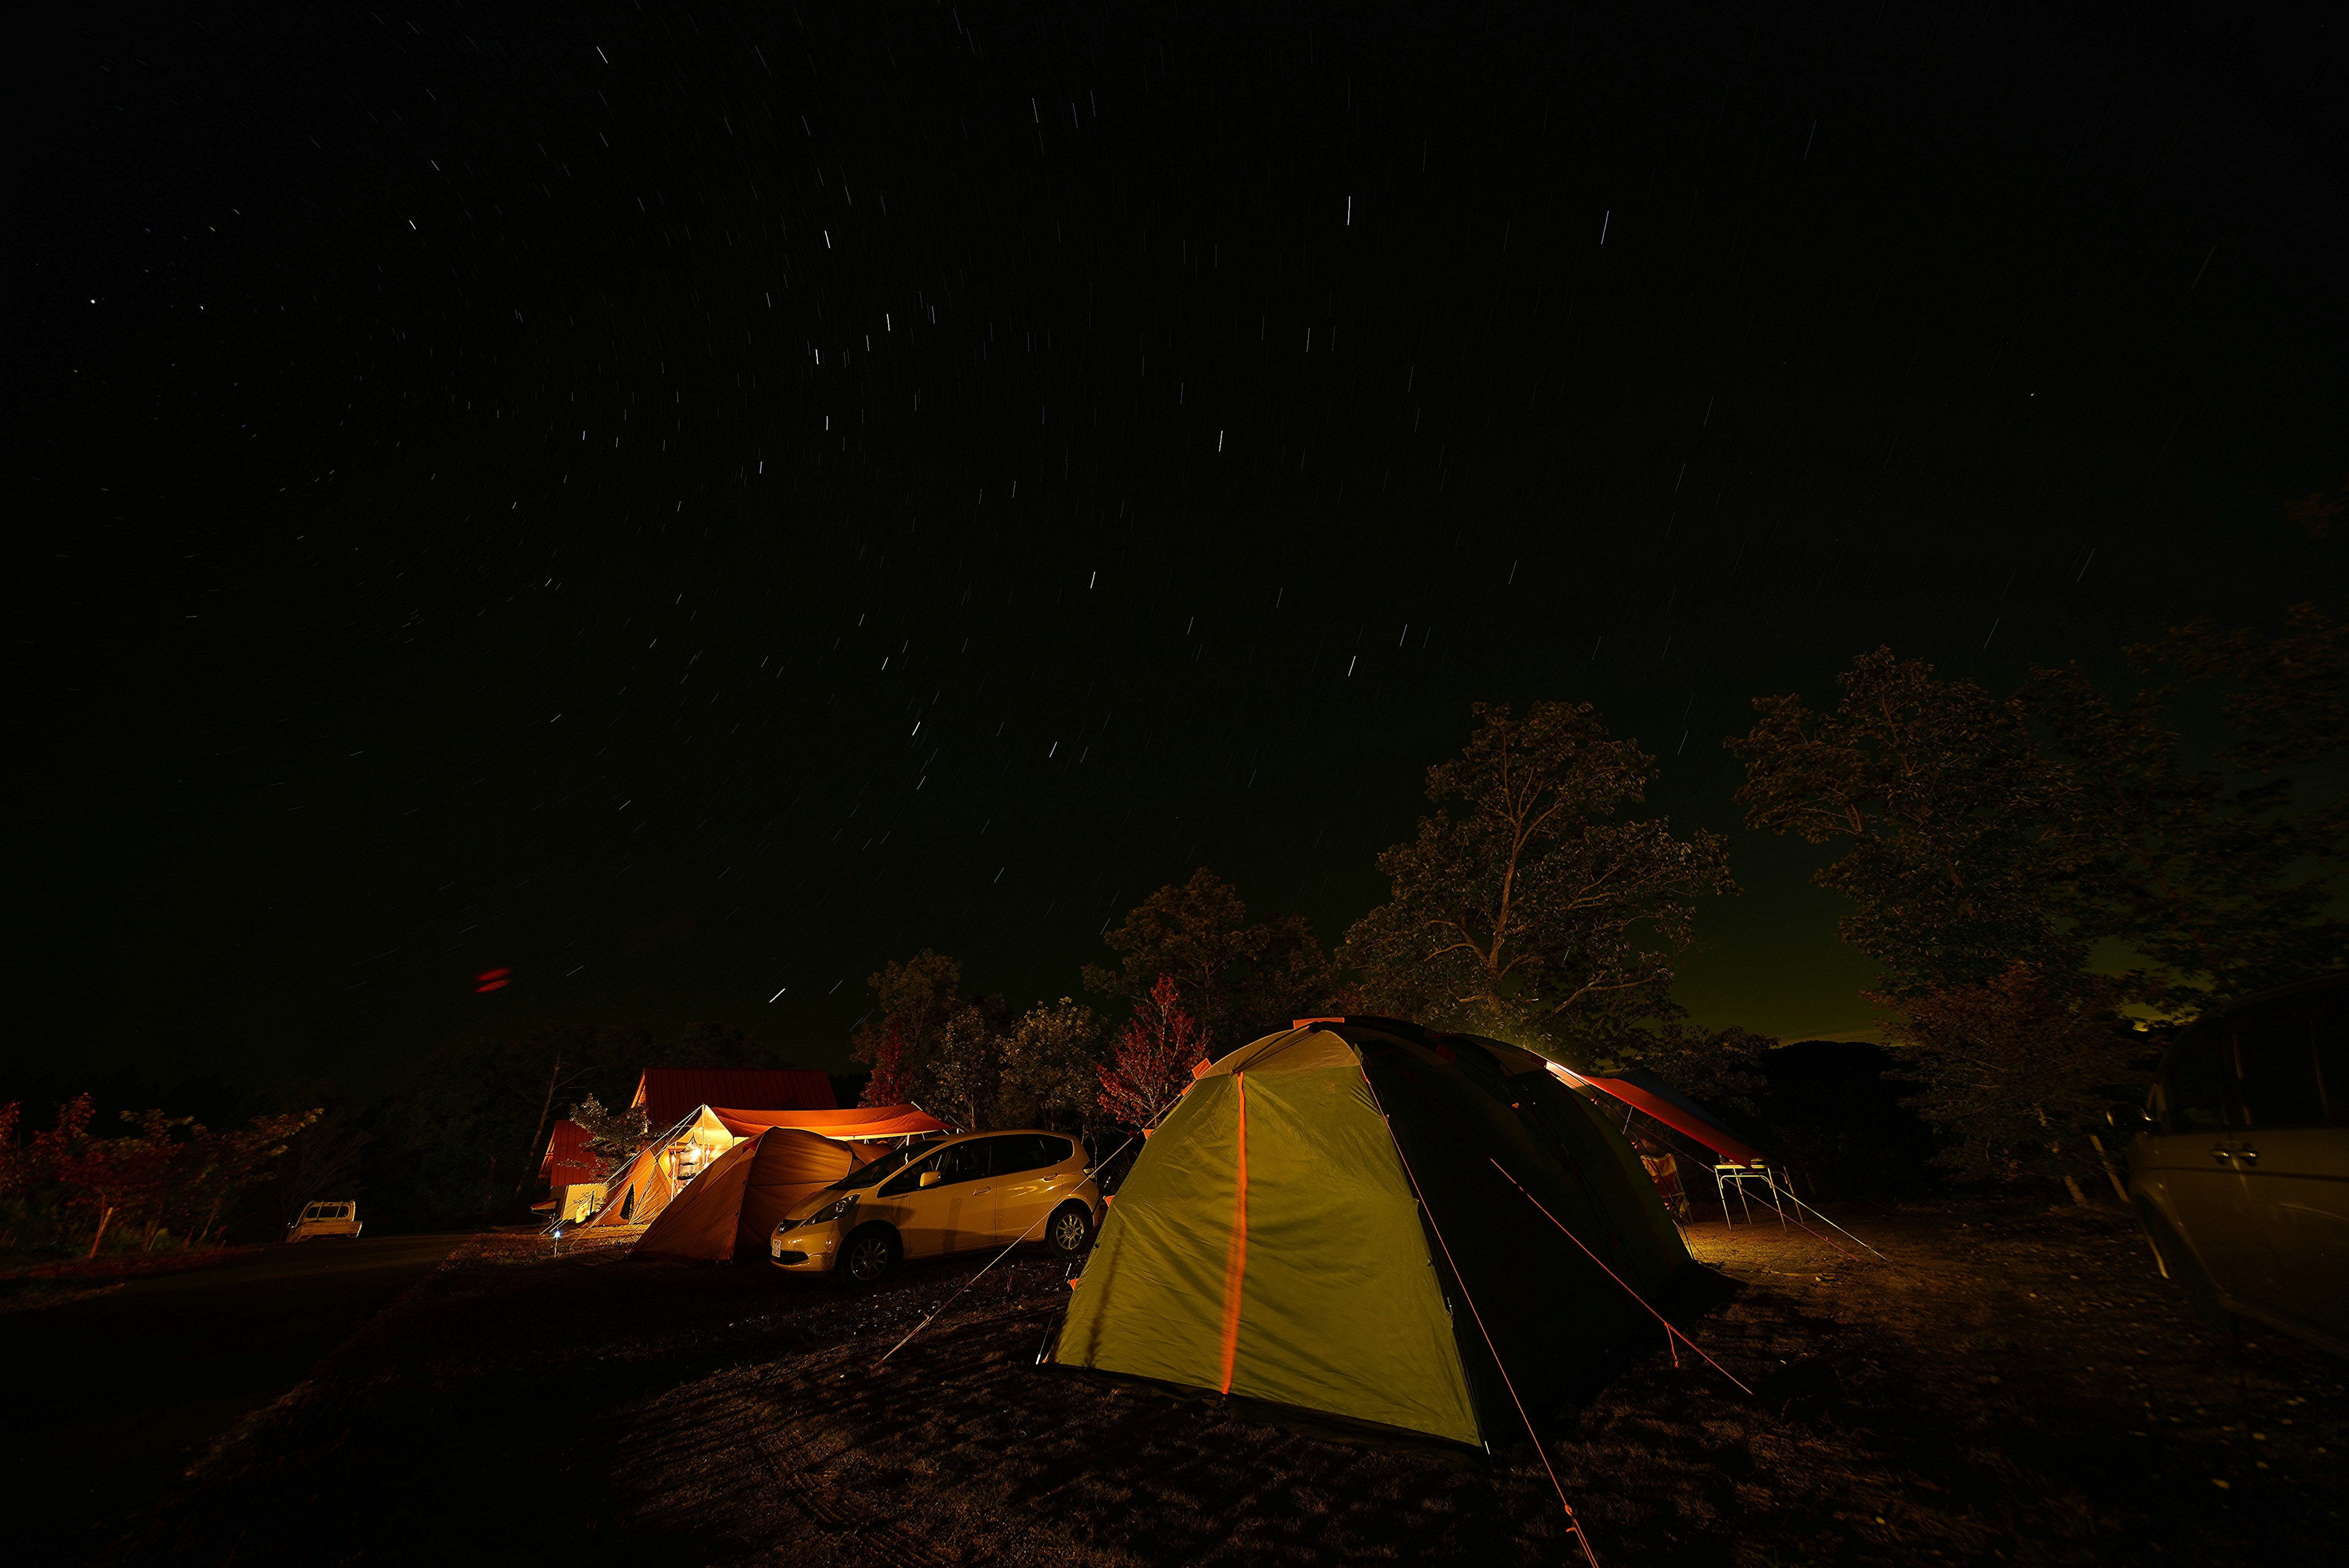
{"x":567,"y":1161}
{"x":570,"y":1171}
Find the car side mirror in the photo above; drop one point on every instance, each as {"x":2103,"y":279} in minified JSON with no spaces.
{"x":2129,"y":1120}
{"x":930,"y":1178}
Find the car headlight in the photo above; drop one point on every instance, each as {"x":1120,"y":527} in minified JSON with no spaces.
{"x":825,"y":1216}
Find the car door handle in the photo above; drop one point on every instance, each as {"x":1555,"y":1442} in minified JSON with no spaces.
{"x":982,"y":1192}
{"x":2221,"y":1155}
{"x":2248,"y":1155}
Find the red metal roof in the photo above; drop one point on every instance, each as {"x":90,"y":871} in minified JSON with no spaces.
{"x":669,"y":1095}
{"x":567,"y":1161}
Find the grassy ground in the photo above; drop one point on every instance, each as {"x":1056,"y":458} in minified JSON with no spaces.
{"x":2011,"y":1384}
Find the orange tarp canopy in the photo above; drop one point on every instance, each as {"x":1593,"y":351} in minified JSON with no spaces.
{"x":1656,"y":1099}
{"x":666,"y":1094}
{"x":730,"y":1208}
{"x":855,"y":1123}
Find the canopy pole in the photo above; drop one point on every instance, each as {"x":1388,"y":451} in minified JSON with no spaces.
{"x":1739,"y":1175}
{"x":1802,"y":1207}
{"x":1573,"y":1520}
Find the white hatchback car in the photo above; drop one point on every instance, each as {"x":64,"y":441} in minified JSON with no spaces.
{"x":326,"y":1219}
{"x":948,"y":1195}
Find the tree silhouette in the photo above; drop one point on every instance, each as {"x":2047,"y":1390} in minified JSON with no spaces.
{"x":1523,"y":908}
{"x":891,"y":1082}
{"x":1156,"y":1056}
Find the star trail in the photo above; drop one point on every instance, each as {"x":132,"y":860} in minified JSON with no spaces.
{"x":630,"y":511}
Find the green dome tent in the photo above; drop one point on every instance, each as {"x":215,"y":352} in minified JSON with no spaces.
{"x":1346,"y":1221}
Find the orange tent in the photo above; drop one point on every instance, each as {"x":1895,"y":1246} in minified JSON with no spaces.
{"x":662,"y":1169}
{"x":855,"y":1125}
{"x":732,"y":1207}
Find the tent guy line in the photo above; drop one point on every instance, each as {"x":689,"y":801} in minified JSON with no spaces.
{"x":1670,"y":1333}
{"x":1573,"y":1521}
{"x":974,"y":1277}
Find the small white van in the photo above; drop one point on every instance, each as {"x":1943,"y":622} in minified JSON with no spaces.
{"x":326,"y":1219}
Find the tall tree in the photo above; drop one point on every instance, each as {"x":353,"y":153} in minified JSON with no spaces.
{"x":1962,"y":835}
{"x":892,"y":1081}
{"x":1155,"y":1057}
{"x":562,"y":1074}
{"x":2287,"y":696}
{"x":1523,"y":908}
{"x":965,"y":1068}
{"x":1237,"y":980}
{"x":109,"y":1178}
{"x":2015,"y":1070}
{"x":1718,"y":1066}
{"x":1051,"y":1066}
{"x":916,"y":998}
{"x":215,"y":1167}
{"x":2219,"y":881}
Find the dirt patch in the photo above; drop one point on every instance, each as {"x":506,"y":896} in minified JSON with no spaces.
{"x":2006,"y":1386}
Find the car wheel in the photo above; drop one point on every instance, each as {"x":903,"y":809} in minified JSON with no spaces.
{"x":1070,"y":1231}
{"x":866,"y":1256}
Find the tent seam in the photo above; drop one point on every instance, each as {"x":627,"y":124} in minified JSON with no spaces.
{"x":1235,"y":1257}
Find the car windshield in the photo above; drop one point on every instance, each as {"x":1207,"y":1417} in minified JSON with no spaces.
{"x":880,"y":1171}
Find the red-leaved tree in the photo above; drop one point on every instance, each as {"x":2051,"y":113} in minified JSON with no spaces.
{"x":108,"y":1176}
{"x":893,"y":1075}
{"x":16,"y":1169}
{"x":1155,"y":1055}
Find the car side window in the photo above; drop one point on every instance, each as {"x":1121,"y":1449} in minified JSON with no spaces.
{"x":1028,"y":1151}
{"x":909,"y":1179}
{"x":2275,"y":1060}
{"x":2194,"y":1089}
{"x":964,"y":1161}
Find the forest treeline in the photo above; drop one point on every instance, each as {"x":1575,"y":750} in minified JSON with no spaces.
{"x":2044,"y":879}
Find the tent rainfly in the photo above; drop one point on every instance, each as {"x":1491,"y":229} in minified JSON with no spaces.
{"x":1345,"y":1223}
{"x":732,"y":1207}
{"x":662,"y":1168}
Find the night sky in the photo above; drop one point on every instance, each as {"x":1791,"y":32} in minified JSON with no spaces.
{"x":685,"y":503}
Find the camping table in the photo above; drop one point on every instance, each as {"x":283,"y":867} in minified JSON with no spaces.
{"x":1725,"y":1176}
